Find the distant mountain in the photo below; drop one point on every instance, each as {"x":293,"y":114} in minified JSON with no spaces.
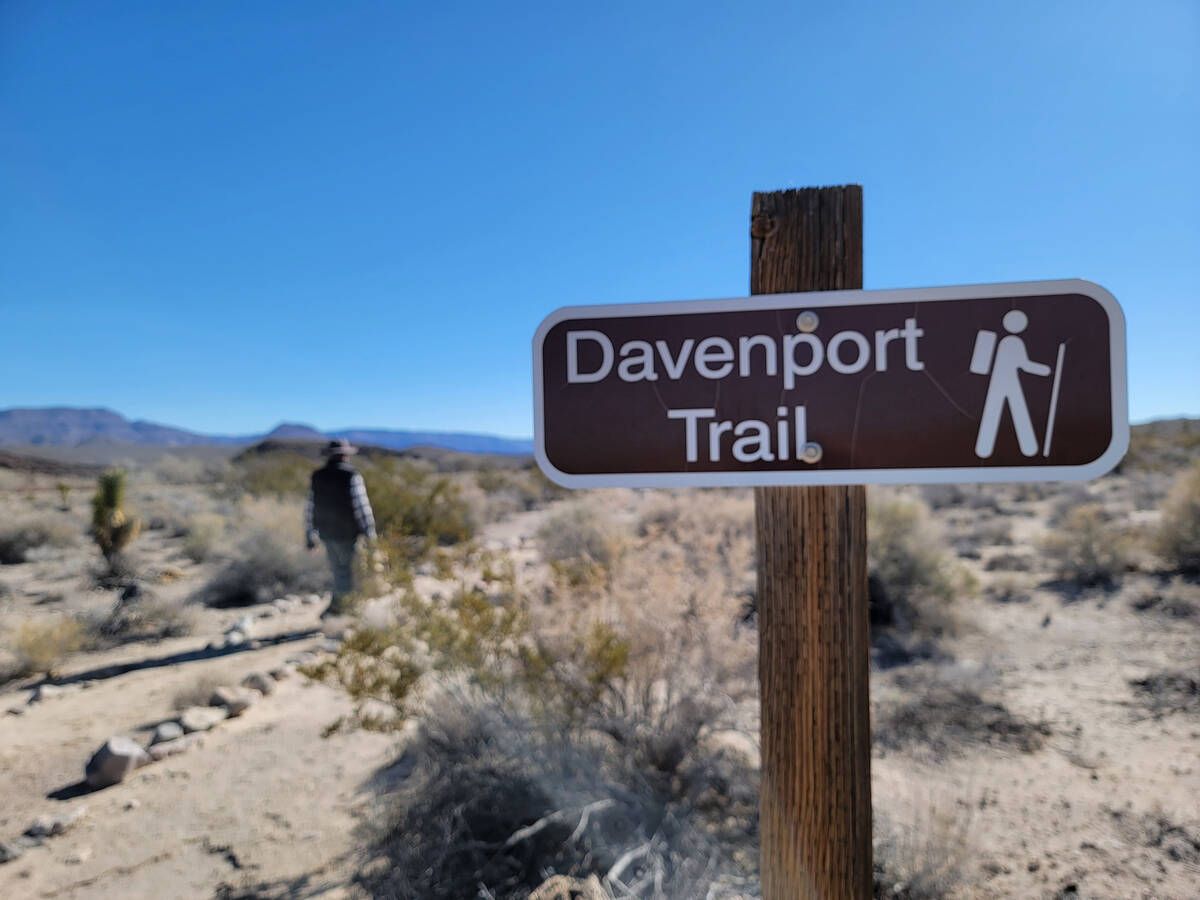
{"x":464,"y":443}
{"x":69,"y":427}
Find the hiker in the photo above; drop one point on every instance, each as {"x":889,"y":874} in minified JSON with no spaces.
{"x":337,"y":512}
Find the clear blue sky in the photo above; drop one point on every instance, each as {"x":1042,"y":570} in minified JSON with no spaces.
{"x":223,"y":215}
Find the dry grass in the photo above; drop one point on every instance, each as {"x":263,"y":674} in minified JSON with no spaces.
{"x":923,"y":846}
{"x":1178,"y":537}
{"x":41,"y":645}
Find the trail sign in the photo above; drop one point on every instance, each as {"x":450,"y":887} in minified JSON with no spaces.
{"x":997,"y":382}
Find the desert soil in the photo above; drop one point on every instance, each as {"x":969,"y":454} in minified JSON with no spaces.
{"x":268,"y":799}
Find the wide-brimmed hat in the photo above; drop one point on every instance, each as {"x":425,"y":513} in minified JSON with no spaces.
{"x":339,"y":447}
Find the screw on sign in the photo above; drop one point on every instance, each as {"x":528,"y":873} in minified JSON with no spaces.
{"x":809,"y":396}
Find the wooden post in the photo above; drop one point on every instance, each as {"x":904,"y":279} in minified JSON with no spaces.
{"x":815,"y":804}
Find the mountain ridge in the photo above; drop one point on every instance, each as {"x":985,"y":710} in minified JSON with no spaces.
{"x":65,"y":426}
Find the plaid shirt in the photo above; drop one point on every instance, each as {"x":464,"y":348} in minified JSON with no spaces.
{"x":362,"y":511}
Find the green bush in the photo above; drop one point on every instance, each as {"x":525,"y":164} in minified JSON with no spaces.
{"x":415,"y":509}
{"x":1178,"y":538}
{"x":18,"y":537}
{"x":284,"y":473}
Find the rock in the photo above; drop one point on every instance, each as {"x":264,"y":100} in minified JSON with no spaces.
{"x":281,"y":673}
{"x":329,"y":645}
{"x":201,"y":718}
{"x":46,"y":692}
{"x":82,"y":855}
{"x":16,"y":711}
{"x":235,"y":700}
{"x":174,"y":748}
{"x":135,"y":802}
{"x":167,"y":731}
{"x":234,"y":638}
{"x":245,"y":624}
{"x":259,"y":681}
{"x":10,"y":851}
{"x":116,"y":758}
{"x":54,"y":825}
{"x":267,"y":613}
{"x":131,"y":593}
{"x":311,"y":599}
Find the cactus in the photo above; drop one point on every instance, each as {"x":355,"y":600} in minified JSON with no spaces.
{"x":113,"y":528}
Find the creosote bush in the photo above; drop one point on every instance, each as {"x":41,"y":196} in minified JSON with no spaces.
{"x":1088,"y":548}
{"x":1178,"y":538}
{"x":416,"y":510}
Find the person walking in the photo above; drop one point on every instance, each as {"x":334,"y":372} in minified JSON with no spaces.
{"x":338,"y":512}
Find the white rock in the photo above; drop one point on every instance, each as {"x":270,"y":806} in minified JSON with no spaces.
{"x":175,"y":747}
{"x":201,"y":718}
{"x":81,"y":855}
{"x":134,"y":803}
{"x":46,"y":692}
{"x":259,"y":681}
{"x":116,"y":758}
{"x":52,"y":826}
{"x":235,"y":700}
{"x":281,"y":673}
{"x":167,"y":731}
{"x":234,"y":638}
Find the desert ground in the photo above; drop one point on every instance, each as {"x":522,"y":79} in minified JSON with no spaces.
{"x":553,"y":695}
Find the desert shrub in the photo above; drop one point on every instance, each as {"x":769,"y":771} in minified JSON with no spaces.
{"x":415,"y":509}
{"x":283,"y":473}
{"x":1089,"y":548}
{"x":40,"y":645}
{"x":923,"y":852}
{"x":1164,"y":693}
{"x":266,"y":564}
{"x":948,"y":717}
{"x":28,"y":533}
{"x":914,"y":578}
{"x":173,"y":469}
{"x":580,"y":543}
{"x":204,"y":533}
{"x":495,"y":804}
{"x":1177,"y":600}
{"x":1178,"y":538}
{"x":139,"y":617}
{"x":511,"y":490}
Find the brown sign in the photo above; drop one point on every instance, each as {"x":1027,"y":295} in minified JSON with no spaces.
{"x":1005,"y":382}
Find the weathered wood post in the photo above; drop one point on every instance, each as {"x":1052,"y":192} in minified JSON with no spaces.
{"x":815,"y":805}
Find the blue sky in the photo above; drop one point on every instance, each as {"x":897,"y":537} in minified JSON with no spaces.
{"x":224,"y":215}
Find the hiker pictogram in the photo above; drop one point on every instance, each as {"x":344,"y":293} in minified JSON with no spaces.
{"x":1004,"y":362}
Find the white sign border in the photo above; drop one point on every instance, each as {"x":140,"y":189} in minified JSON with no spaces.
{"x":967,"y":475}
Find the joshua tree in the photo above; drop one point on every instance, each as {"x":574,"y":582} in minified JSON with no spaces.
{"x":64,"y":491}
{"x":112,"y":528}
